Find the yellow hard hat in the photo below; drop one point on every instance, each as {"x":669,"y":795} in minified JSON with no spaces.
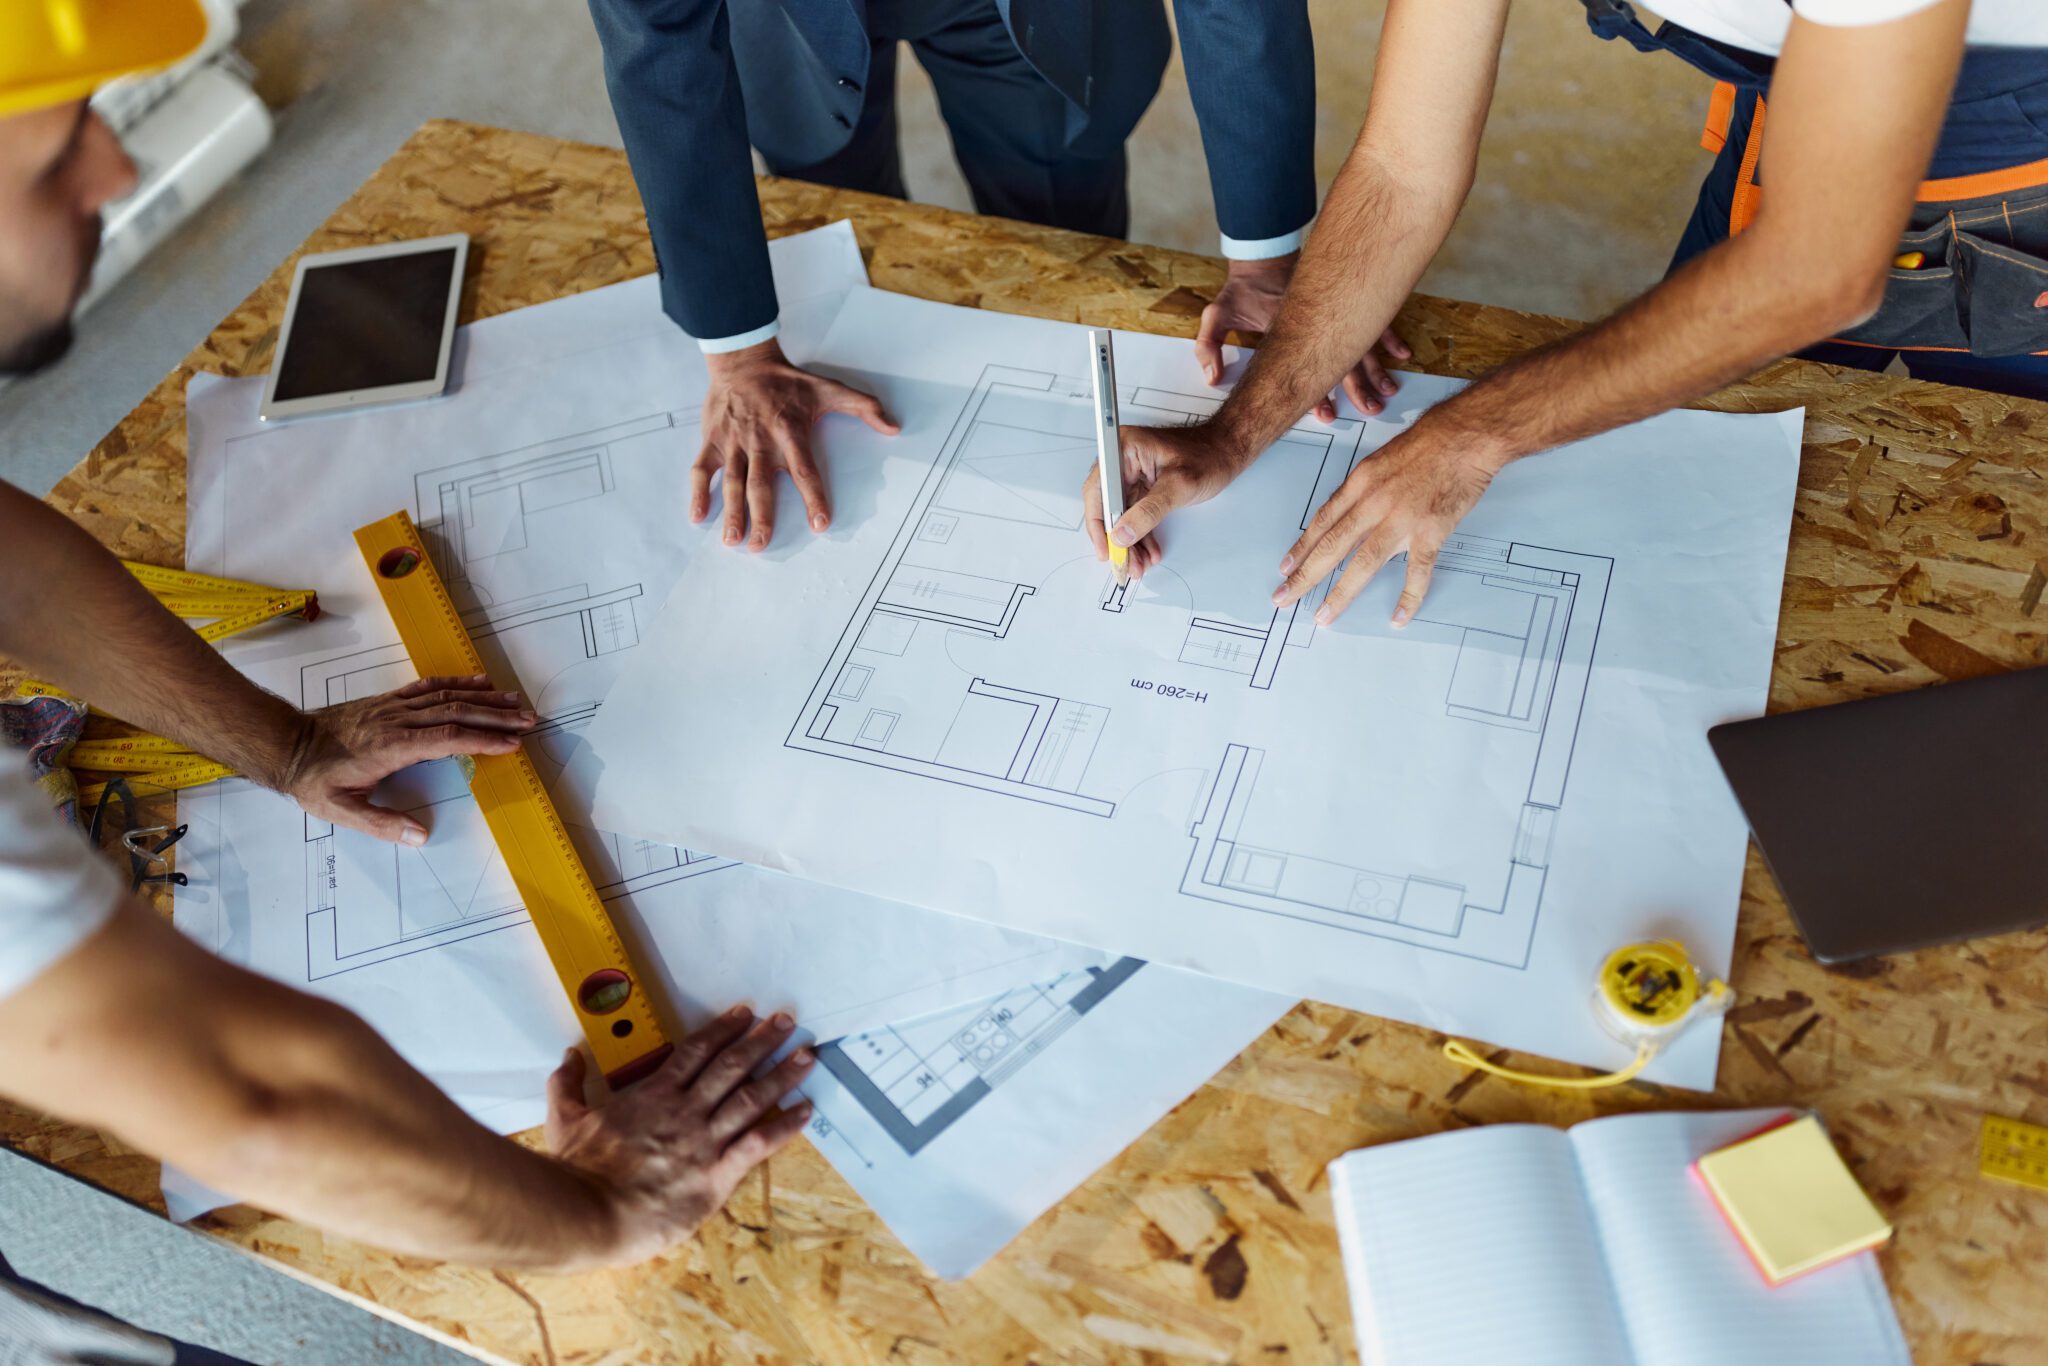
{"x":56,"y":51}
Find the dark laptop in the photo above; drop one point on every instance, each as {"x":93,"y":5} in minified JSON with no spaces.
{"x":1897,"y":822}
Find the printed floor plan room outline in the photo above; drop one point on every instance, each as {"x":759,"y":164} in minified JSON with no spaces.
{"x":1525,"y":622}
{"x":488,"y":521}
{"x":990,"y":553}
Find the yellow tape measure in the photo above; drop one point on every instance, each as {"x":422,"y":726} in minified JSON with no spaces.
{"x":2014,"y":1150}
{"x":227,"y":606}
{"x":163,"y":582}
{"x":1644,"y":995}
{"x":174,"y":777}
{"x":609,"y":996}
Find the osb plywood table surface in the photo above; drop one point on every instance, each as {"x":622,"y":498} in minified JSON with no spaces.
{"x":1919,"y":554}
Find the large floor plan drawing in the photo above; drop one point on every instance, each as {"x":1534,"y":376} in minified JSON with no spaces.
{"x":952,"y":705}
{"x":938,"y":673}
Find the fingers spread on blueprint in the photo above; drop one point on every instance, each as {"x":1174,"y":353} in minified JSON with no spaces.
{"x":732,"y":488}
{"x":1421,"y":564}
{"x":763,"y":1141}
{"x":737,"y":1061}
{"x":810,"y":485}
{"x":760,"y":501}
{"x":700,"y":1046}
{"x":1380,"y":544}
{"x":748,"y":1103}
{"x":842,"y":398}
{"x":708,"y":460}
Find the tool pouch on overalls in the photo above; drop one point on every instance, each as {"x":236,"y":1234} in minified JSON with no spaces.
{"x":1982,"y":281}
{"x":1980,"y":224}
{"x":1971,"y":270}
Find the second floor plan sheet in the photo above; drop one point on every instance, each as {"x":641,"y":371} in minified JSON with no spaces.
{"x":951,"y":702}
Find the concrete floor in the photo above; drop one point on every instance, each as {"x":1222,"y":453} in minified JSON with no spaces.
{"x":1585,"y":177}
{"x":127,"y":1262}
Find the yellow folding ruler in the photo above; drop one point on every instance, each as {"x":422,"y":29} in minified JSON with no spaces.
{"x":608,"y":994}
{"x":226,"y":606}
{"x":2014,"y":1150}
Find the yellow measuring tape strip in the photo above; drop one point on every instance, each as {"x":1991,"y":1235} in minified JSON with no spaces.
{"x":2014,"y":1150}
{"x":608,"y":994}
{"x":163,"y":582}
{"x":233,"y":606}
{"x":1645,"y":994}
{"x":194,"y":773}
{"x":294,"y":604}
{"x":138,"y":754}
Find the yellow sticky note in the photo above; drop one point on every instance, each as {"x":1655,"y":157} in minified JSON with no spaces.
{"x":1790,"y":1198}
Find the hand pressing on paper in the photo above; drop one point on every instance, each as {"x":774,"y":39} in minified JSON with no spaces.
{"x":666,"y":1154}
{"x":757,"y":426}
{"x":1250,"y":300}
{"x":1164,"y":468}
{"x":1407,"y":496}
{"x":342,"y":752}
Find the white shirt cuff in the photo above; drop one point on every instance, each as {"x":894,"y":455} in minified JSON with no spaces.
{"x":713,"y":346}
{"x":1265,"y":248}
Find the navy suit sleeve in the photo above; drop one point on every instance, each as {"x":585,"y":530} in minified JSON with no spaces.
{"x":1252,"y":76}
{"x":669,"y":67}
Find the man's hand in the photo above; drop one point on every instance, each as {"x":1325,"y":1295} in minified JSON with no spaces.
{"x":757,"y":423}
{"x":668,"y":1153}
{"x":345,"y":750}
{"x":1249,"y":301}
{"x":1406,"y":496}
{"x":1164,"y":468}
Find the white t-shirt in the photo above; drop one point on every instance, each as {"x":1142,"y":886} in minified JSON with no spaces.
{"x":1760,"y":25}
{"x":55,"y":890}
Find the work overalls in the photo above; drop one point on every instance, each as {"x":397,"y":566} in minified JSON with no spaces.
{"x":1973,"y":309}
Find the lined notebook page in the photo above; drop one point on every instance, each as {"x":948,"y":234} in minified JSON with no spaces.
{"x":1474,"y":1248}
{"x":1689,"y":1294}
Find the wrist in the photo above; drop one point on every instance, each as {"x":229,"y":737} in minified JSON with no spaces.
{"x":588,"y":1220}
{"x":1451,"y":428}
{"x":1270,"y":269}
{"x":280,"y":748}
{"x":726,"y":365}
{"x":1234,"y":435}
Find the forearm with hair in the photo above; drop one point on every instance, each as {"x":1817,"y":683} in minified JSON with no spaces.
{"x":1730,"y":310}
{"x":74,"y":617}
{"x":1372,"y":243}
{"x":1854,"y":113}
{"x":287,"y":1101}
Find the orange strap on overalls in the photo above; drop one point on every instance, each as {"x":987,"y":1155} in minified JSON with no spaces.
{"x":1749,"y":194}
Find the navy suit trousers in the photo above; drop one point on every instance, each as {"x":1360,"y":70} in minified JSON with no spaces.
{"x":1008,"y":123}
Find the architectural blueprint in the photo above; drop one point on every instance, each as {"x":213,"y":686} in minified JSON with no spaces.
{"x":549,"y":486}
{"x":1451,"y":823}
{"x":962,"y":1127}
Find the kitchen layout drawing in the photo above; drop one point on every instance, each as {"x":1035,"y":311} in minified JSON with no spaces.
{"x":918,"y":1078}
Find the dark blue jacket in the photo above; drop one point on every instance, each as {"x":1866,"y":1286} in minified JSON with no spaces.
{"x":688,"y":110}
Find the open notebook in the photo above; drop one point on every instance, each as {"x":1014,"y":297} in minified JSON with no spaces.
{"x":1582,"y":1247}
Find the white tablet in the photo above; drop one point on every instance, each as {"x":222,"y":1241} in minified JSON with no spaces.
{"x":367,"y":326}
